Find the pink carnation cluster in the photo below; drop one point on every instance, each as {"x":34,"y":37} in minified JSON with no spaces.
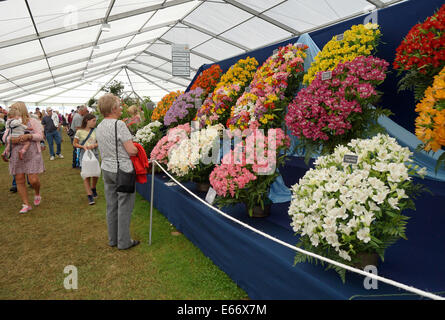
{"x":326,"y":108}
{"x":173,"y":137}
{"x":254,"y":156}
{"x":227,"y":178}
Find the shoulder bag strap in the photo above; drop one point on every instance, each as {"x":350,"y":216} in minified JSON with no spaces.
{"x":88,"y":136}
{"x":115,"y":137}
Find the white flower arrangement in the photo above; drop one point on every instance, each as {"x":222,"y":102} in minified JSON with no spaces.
{"x":149,"y":136}
{"x":341,"y":209}
{"x":146,"y":134}
{"x":186,"y":160}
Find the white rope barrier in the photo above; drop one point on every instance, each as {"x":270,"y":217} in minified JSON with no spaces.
{"x":333,"y":262}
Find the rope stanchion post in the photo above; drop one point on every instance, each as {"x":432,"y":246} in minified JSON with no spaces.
{"x":153,"y":164}
{"x":294,"y":248}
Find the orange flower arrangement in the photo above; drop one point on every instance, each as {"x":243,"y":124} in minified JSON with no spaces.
{"x":208,"y":79}
{"x":430,"y":124}
{"x":165,"y":104}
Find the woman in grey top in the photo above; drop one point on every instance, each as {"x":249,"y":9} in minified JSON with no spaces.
{"x":119,"y":205}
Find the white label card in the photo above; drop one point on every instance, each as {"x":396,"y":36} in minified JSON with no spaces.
{"x":275,"y":51}
{"x":326,"y":75}
{"x":211,"y":195}
{"x":170,"y":184}
{"x":340,"y":37}
{"x":351,"y":159}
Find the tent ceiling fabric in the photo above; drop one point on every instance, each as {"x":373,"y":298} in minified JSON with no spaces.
{"x":56,"y":52}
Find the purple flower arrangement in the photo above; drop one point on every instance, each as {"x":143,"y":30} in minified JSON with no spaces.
{"x":184,"y":108}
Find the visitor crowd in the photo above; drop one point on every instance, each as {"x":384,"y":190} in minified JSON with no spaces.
{"x":24,"y":133}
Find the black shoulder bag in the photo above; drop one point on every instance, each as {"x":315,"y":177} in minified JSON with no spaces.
{"x":126,"y":182}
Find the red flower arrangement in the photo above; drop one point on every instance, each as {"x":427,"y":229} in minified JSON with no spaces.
{"x":208,"y":79}
{"x":421,"y":54}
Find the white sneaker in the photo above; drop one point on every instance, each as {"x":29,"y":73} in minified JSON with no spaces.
{"x":60,"y":156}
{"x":25,"y":208}
{"x":51,"y":158}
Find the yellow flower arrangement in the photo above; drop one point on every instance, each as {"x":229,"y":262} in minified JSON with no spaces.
{"x":430,"y":124}
{"x":240,"y":73}
{"x":165,"y":104}
{"x":216,"y":108}
{"x":360,"y":40}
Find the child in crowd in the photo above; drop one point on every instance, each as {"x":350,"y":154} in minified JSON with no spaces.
{"x":16,"y":129}
{"x":85,"y":139}
{"x":133,"y":121}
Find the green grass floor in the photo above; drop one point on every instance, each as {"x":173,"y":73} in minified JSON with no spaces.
{"x":64,"y":230}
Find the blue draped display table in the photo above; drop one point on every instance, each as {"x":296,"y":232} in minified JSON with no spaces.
{"x":265,"y":269}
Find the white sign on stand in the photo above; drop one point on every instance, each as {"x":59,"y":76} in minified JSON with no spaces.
{"x":180,"y":60}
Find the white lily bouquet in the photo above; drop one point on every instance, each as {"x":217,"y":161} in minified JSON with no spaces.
{"x":195,"y":157}
{"x":352,"y":202}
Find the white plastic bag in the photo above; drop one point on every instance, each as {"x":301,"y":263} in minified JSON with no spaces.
{"x":90,"y":165}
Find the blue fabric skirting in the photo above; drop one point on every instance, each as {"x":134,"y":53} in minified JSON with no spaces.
{"x":265,"y":270}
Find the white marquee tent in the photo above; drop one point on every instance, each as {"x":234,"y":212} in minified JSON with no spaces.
{"x":62,"y":52}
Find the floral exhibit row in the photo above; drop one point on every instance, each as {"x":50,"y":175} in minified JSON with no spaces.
{"x":340,"y":209}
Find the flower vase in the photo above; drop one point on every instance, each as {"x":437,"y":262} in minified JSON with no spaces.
{"x":202,"y":186}
{"x":366,"y":259}
{"x":258,"y":212}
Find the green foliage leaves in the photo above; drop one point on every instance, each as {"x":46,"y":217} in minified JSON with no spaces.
{"x":416,"y":82}
{"x":115,"y":87}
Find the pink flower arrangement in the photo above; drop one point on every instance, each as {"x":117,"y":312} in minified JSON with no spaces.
{"x":333,"y":111}
{"x":226,"y":179}
{"x":247,"y":172}
{"x":175,"y":135}
{"x":258,"y":151}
